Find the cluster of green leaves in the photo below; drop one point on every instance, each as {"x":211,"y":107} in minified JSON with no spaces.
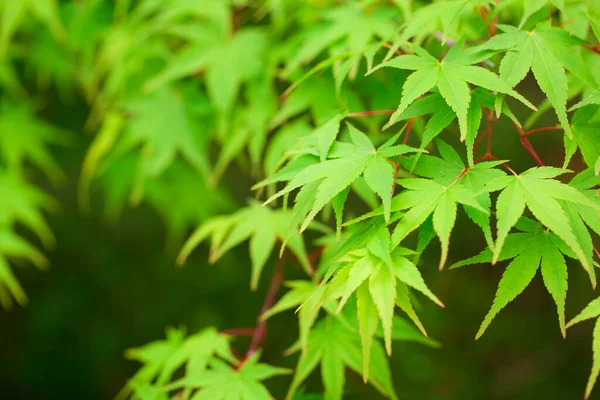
{"x":185,"y":94}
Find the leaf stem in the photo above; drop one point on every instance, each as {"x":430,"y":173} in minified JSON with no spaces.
{"x":547,"y":128}
{"x":369,"y":113}
{"x":389,"y":46}
{"x":260,"y":332}
{"x":527,"y":144}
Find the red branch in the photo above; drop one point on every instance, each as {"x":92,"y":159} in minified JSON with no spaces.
{"x":527,"y":144}
{"x":397,"y":51}
{"x":409,"y":127}
{"x":492,"y":25}
{"x":260,"y":332}
{"x":594,"y":49}
{"x":547,"y":128}
{"x":492,"y":157}
{"x":464,"y":171}
{"x":238,"y":331}
{"x":368,"y":113}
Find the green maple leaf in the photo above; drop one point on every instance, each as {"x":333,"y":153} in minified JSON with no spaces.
{"x":586,"y":136}
{"x":439,"y":197}
{"x":153,"y":115}
{"x":583,"y":215}
{"x":221,"y":58}
{"x":547,"y":53}
{"x":450,"y":168}
{"x":592,"y":310}
{"x":223,"y":382}
{"x":530,"y":7}
{"x":530,"y":249}
{"x":175,"y":197}
{"x":162,"y":358}
{"x":372,"y":274}
{"x":346,"y":163}
{"x":14,"y":12}
{"x":261,"y":225}
{"x":439,"y":12}
{"x":317,"y":96}
{"x":21,"y":204}
{"x":25,"y":139}
{"x":451,"y":76}
{"x":335,"y":346}
{"x":535,"y":189}
{"x":350,"y":24}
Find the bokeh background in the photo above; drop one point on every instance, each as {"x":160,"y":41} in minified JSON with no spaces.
{"x":113,"y":284}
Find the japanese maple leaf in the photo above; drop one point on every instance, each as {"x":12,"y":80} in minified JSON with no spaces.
{"x":547,"y":53}
{"x":584,"y":215}
{"x":349,"y":24}
{"x":451,"y":76}
{"x":14,"y":12}
{"x":586,"y":133}
{"x":335,"y":346}
{"x":450,"y":168}
{"x":380,"y":279}
{"x":425,"y":197}
{"x":535,"y":189}
{"x":25,"y":138}
{"x":261,"y":225}
{"x":162,"y":358}
{"x":151,"y":116}
{"x":223,"y":381}
{"x":592,"y":310}
{"x":346,"y":163}
{"x":21,"y":203}
{"x":227,"y":63}
{"x":532,"y":249}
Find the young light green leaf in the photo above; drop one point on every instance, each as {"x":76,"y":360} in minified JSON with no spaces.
{"x":382,"y":286}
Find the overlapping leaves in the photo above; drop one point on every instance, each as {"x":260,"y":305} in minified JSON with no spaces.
{"x":263,"y":226}
{"x":209,"y":369}
{"x":346,"y":163}
{"x":451,"y":76}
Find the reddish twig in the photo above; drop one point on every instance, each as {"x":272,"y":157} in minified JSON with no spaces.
{"x":492,"y":157}
{"x":397,"y":51}
{"x":527,"y":144}
{"x":368,"y":113}
{"x":594,"y":49}
{"x":312,"y":259}
{"x":260,"y":332}
{"x":492,"y":25}
{"x":238,"y":331}
{"x":409,"y":127}
{"x":396,"y":170}
{"x":464,"y":171}
{"x":486,"y":132}
{"x":547,"y":128}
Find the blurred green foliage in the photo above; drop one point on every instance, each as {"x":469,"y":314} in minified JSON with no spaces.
{"x":124,"y":124}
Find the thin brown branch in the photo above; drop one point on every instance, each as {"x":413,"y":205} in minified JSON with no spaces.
{"x":594,"y":49}
{"x":397,"y":51}
{"x":409,"y":127}
{"x":458,"y":178}
{"x":238,"y":332}
{"x":368,"y":113}
{"x":260,"y":332}
{"x":396,"y":170}
{"x":527,"y":144}
{"x":492,"y":157}
{"x":545,"y":129}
